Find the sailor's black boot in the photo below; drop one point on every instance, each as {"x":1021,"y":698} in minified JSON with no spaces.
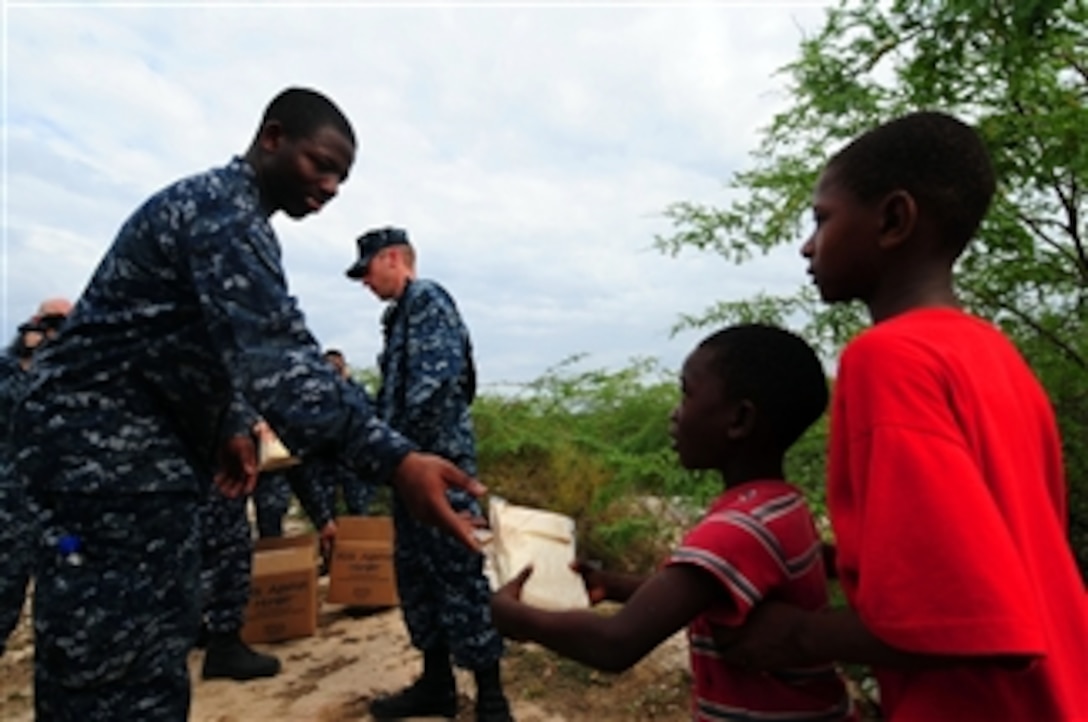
{"x":434,"y":694}
{"x":228,"y":657}
{"x":491,"y":703}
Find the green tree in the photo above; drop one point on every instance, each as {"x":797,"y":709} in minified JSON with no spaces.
{"x":1018,"y":69}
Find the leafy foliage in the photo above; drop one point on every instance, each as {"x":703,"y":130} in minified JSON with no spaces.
{"x":580,"y":442}
{"x":1018,"y":69}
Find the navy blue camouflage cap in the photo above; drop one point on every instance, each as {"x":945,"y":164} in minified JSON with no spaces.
{"x":373,"y":241}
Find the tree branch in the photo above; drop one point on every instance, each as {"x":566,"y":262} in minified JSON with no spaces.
{"x":1066,"y":350}
{"x":1068,"y":202}
{"x":1076,"y":65}
{"x":1073,"y":228}
{"x":1037,"y":226}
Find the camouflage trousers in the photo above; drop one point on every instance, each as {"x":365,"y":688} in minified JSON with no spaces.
{"x":271,"y":499}
{"x":356,"y":493}
{"x":226,"y":550}
{"x":115,"y":607}
{"x":444,"y":595}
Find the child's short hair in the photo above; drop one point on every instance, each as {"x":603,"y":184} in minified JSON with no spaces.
{"x":774,"y":369}
{"x":302,"y":112}
{"x":938,"y":159}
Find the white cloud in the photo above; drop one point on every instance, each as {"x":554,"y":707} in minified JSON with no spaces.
{"x":529,"y":150}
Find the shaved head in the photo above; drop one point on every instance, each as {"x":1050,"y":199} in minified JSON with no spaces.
{"x":54,"y":307}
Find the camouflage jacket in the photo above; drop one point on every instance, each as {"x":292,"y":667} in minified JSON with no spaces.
{"x":187,"y":315}
{"x":428,"y":376}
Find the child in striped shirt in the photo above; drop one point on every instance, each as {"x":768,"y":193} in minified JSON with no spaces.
{"x":748,"y":393}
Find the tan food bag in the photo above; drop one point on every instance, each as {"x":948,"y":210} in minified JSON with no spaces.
{"x":522,"y":535}
{"x":272,"y":455}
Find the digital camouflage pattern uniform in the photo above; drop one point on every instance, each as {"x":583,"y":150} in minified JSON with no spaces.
{"x":187,"y":314}
{"x":227,"y":545}
{"x":315,"y":483}
{"x":226,"y":562}
{"x":428,"y":381}
{"x":271,"y":500}
{"x":334,"y":476}
{"x":324,"y":478}
{"x":16,"y":522}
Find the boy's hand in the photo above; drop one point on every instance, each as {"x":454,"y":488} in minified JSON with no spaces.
{"x":593,"y":578}
{"x":421,"y":481}
{"x":506,"y":605}
{"x":512,"y":589}
{"x":237,"y":473}
{"x":766,"y":640}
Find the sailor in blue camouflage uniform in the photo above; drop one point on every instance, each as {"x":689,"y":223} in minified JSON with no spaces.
{"x":272,"y":497}
{"x":428,"y":383}
{"x":271,"y":500}
{"x":226,"y":566}
{"x":321,"y":478}
{"x":356,"y":493}
{"x":17,"y":522}
{"x":183,"y":334}
{"x":15,"y":529}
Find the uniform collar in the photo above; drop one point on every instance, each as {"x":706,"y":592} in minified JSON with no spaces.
{"x":392,"y":311}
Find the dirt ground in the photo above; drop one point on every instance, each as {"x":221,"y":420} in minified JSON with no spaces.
{"x":333,"y":675}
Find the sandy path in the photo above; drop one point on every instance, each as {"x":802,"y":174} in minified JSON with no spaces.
{"x":329,"y":677}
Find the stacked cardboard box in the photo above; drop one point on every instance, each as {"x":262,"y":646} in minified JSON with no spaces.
{"x":361,"y":570}
{"x":283,"y":592}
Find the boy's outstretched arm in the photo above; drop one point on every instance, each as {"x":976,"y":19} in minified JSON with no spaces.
{"x":665,"y":603}
{"x":777,"y":635}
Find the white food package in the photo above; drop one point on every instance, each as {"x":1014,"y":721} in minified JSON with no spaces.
{"x":272,"y":455}
{"x":521,"y":536}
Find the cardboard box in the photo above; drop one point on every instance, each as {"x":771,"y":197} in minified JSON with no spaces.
{"x":283,"y":590}
{"x":361,"y":570}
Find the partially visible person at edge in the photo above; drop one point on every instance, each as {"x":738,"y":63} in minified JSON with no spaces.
{"x":355,"y":493}
{"x":748,"y":392}
{"x":17,"y":519}
{"x":183,"y":337}
{"x":344,"y":488}
{"x":320,"y":478}
{"x":946,"y":489}
{"x":272,"y":493}
{"x":428,"y":382}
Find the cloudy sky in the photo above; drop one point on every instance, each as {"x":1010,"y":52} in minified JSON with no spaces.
{"x":528,"y":148}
